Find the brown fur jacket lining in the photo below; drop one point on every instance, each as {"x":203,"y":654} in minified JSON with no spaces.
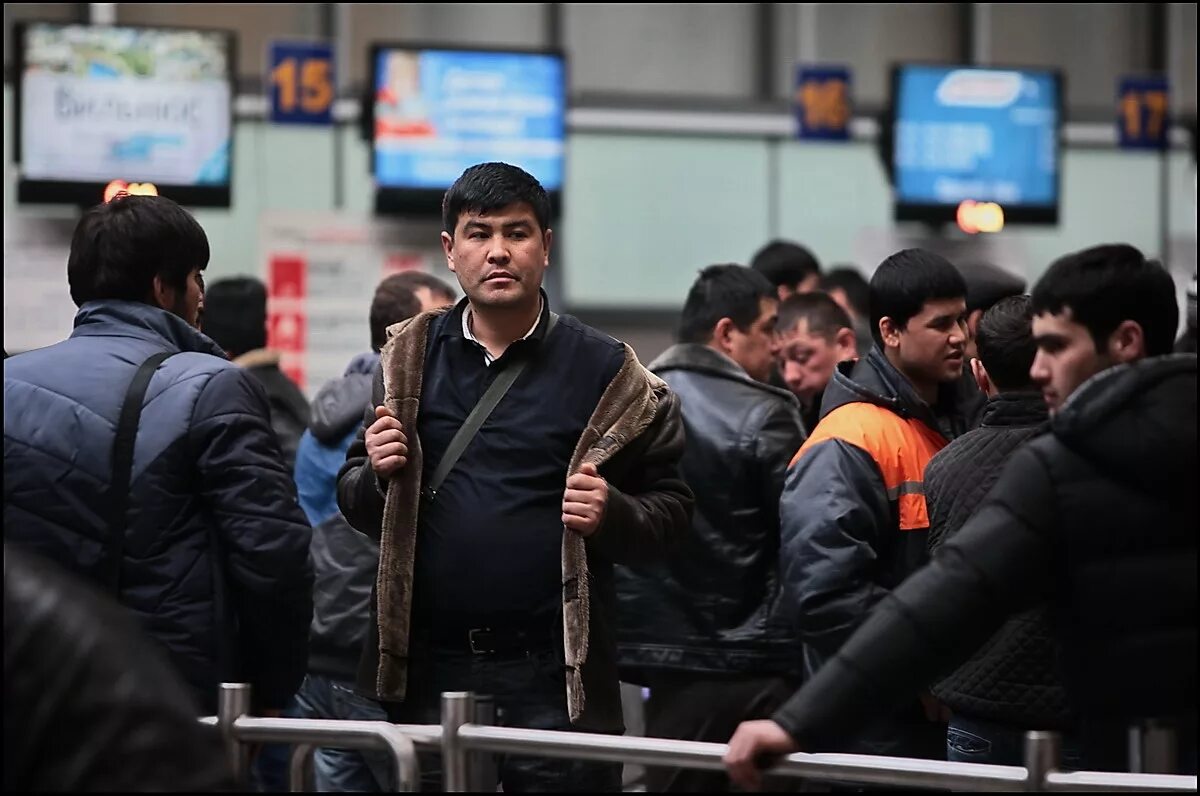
{"x":634,"y":437}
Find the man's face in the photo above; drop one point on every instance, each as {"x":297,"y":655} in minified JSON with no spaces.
{"x":807,"y":360}
{"x":1066,"y":357}
{"x":754,"y":349}
{"x":499,"y":257}
{"x":931,"y":345}
{"x":189,"y":302}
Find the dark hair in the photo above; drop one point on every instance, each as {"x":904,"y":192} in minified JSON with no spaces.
{"x":1004,"y":340}
{"x":235,"y":314}
{"x":412,"y":280}
{"x":394,"y":301}
{"x":1106,"y":285}
{"x":722,"y":291}
{"x":785,"y":263}
{"x":905,"y":281}
{"x":487,"y":187}
{"x":853,"y":284}
{"x":823,"y":315}
{"x":120,"y":246}
{"x":987,"y":284}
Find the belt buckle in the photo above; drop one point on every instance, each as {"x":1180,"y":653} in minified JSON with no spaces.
{"x":471,"y":640}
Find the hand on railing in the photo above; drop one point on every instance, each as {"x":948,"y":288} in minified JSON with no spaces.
{"x":754,"y":746}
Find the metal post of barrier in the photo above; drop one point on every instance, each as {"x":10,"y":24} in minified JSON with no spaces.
{"x":233,"y":701}
{"x":482,"y":765}
{"x":300,"y":767}
{"x":1152,"y":748}
{"x":1042,"y":754}
{"x":458,"y":708}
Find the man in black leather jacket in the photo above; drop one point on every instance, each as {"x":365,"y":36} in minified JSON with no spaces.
{"x":701,"y":628}
{"x":89,"y":703}
{"x":1098,"y":517}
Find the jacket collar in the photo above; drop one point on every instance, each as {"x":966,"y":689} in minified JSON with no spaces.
{"x":258,"y":358}
{"x":115,"y":318}
{"x":873,"y":379}
{"x":1025,"y":408}
{"x":454,"y":325}
{"x":700,"y":358}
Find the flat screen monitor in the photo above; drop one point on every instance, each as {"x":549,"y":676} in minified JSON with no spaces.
{"x":101,"y":103}
{"x":436,"y":111}
{"x":966,"y":133}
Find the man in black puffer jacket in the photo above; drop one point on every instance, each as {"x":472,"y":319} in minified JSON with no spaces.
{"x":1098,"y":517}
{"x":702,"y":629}
{"x":1011,"y":684}
{"x":211,"y":553}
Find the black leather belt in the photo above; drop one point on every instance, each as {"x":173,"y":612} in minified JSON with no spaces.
{"x":486,"y":641}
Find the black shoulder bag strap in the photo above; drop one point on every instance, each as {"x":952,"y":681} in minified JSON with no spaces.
{"x":122,"y":464}
{"x":470,"y":427}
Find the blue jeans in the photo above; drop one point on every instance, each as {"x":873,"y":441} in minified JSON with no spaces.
{"x":528,"y":691}
{"x":973,"y":740}
{"x":334,"y":770}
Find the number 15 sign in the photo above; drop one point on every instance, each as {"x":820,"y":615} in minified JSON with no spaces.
{"x":300,"y":78}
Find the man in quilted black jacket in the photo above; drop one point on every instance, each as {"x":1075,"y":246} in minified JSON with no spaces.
{"x":1010,"y":685}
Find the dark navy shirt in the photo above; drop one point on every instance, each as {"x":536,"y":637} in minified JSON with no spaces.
{"x":489,"y":545}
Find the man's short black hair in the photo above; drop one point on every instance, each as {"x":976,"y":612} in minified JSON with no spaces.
{"x":394,"y":301}
{"x":987,"y":284}
{"x":853,"y":284}
{"x":823,"y":315}
{"x":1004,"y":340}
{"x":120,"y":246}
{"x":723,"y":291}
{"x":488,"y":187}
{"x":785,"y":263}
{"x":235,"y":314}
{"x":1106,"y":285}
{"x":413,"y":280}
{"x":905,"y":281}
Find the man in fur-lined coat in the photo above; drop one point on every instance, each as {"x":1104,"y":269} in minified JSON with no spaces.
{"x":495,"y":571}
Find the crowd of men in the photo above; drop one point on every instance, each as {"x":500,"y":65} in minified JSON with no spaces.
{"x":916,"y":516}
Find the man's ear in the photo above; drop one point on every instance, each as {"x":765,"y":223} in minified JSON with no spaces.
{"x":973,"y":322}
{"x":981,"y":376}
{"x":448,"y":248}
{"x":845,"y":344}
{"x":722,"y":335}
{"x":163,"y":294}
{"x":890,"y":331}
{"x":1127,"y":343}
{"x":548,"y":241}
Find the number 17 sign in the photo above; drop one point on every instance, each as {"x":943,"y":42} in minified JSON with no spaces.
{"x":300,"y":80}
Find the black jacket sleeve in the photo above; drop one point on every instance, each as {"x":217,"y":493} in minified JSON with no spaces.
{"x":263,"y":534}
{"x":360,"y":494}
{"x":775,"y":443}
{"x":652,"y":508}
{"x":90,"y":704}
{"x":997,"y":564}
{"x":833,"y":512}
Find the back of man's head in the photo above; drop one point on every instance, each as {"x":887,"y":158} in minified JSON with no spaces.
{"x":906,"y":280}
{"x":394,"y":301}
{"x":1005,"y":343}
{"x":987,"y":284}
{"x":723,"y":291}
{"x":787,"y":264}
{"x":1107,"y":285}
{"x":119,"y":247}
{"x":820,"y":313}
{"x":853,"y":286}
{"x":235,"y":314}
{"x":430,"y":291}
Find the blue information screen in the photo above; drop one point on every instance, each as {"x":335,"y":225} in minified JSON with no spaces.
{"x":439,"y":111}
{"x":984,"y":134}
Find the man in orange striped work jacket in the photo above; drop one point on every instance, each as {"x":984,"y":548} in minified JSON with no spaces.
{"x":853,"y":516}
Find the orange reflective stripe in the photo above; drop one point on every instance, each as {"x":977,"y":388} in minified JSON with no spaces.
{"x":901,"y":449}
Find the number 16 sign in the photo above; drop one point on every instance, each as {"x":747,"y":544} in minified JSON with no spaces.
{"x":300,"y":80}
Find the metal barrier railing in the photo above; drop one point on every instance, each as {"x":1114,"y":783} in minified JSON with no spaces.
{"x":467,"y":740}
